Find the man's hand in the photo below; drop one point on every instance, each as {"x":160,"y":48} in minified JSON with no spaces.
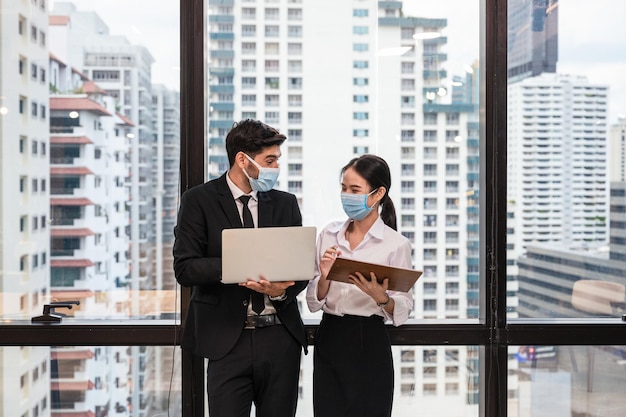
{"x":272,"y":289}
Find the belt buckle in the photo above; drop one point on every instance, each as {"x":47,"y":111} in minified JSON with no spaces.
{"x":257,"y":322}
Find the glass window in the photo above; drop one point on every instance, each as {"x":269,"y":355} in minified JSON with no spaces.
{"x":248,"y":30}
{"x":565,"y":259}
{"x":577,"y":375}
{"x":91,"y":379}
{"x":81,"y":169}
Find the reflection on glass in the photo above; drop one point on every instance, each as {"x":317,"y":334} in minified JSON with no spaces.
{"x":91,"y":380}
{"x":90,"y":134}
{"x":566,"y":204}
{"x":567,"y":380}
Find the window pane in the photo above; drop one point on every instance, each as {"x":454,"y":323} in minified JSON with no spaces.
{"x":566,"y":153}
{"x":90,"y":174}
{"x":567,"y":380}
{"x":89,"y":380}
{"x":408,"y":93}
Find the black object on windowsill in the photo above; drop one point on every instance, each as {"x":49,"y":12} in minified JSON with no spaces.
{"x":49,"y":315}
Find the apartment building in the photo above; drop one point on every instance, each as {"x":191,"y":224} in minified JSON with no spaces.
{"x":617,"y":150}
{"x":24,"y":195}
{"x":123,"y":71}
{"x":165,"y":172}
{"x":558,"y":176}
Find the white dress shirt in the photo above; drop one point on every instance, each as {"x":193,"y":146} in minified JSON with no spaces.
{"x":253,"y":205}
{"x":381,"y":245}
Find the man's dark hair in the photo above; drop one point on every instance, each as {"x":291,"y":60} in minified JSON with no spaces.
{"x":251,"y":137}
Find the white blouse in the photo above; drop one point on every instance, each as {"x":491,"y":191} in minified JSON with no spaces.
{"x":381,"y":245}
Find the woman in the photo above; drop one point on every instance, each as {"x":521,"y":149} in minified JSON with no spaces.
{"x":353,"y":367}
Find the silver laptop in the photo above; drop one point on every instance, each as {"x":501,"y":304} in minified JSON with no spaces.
{"x":277,"y":253}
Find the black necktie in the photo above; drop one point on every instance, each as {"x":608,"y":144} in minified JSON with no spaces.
{"x":258,"y":301}
{"x":246,"y":214}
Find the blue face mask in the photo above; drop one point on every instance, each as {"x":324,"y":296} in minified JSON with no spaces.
{"x":267,"y":177}
{"x":355,"y":205}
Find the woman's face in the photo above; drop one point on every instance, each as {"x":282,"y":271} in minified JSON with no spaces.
{"x":353,"y":183}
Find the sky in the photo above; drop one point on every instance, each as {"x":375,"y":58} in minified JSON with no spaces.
{"x":592,"y":36}
{"x":151,"y":23}
{"x":592,"y":40}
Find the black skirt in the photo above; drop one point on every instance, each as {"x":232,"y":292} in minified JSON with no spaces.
{"x":353,"y":368}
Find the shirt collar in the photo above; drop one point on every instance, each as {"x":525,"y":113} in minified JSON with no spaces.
{"x":376,"y":231}
{"x":236,"y":191}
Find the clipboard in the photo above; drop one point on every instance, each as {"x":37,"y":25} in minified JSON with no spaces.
{"x":400,"y":279}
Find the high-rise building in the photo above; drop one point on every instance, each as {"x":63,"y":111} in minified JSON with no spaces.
{"x":532,"y":37}
{"x":557,"y":153}
{"x":548,"y":274}
{"x":617,"y":147}
{"x":123,"y":71}
{"x":24,"y":113}
{"x":109,"y":177}
{"x":89,"y":161}
{"x":165,"y":168}
{"x":532,"y":50}
{"x":24,"y":194}
{"x":160,"y":361}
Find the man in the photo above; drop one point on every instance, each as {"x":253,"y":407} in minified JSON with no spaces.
{"x":253,"y":357}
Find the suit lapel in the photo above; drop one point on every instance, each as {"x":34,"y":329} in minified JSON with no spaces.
{"x":225,"y":199}
{"x":266,"y":210}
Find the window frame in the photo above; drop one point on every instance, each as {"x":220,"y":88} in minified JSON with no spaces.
{"x":492,"y":331}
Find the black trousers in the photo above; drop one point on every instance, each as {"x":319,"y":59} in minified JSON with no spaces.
{"x":263,"y":368}
{"x":353,"y":368}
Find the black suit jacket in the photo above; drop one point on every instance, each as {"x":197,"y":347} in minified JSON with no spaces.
{"x":217,"y":311}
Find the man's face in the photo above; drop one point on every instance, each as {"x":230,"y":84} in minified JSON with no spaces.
{"x":267,"y":158}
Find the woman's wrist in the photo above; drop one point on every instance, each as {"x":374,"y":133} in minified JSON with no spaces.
{"x":384,"y":303}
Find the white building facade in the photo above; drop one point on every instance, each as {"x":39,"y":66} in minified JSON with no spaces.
{"x":557,"y":153}
{"x":123,"y":71}
{"x":24,"y":194}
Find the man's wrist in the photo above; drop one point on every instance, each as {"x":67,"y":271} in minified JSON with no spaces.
{"x":281,"y":297}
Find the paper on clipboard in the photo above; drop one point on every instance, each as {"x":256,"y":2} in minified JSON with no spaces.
{"x":400,"y":279}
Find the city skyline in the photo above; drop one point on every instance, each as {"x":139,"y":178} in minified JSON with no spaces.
{"x":589,"y":52}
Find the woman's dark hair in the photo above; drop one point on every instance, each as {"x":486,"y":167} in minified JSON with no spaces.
{"x":376,"y":172}
{"x":251,"y":137}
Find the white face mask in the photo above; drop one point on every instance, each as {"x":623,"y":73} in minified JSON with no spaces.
{"x":267,"y":177}
{"x":355,"y":205}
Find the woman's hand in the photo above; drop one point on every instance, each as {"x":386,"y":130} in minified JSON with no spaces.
{"x":373,"y":288}
{"x":327,"y":260}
